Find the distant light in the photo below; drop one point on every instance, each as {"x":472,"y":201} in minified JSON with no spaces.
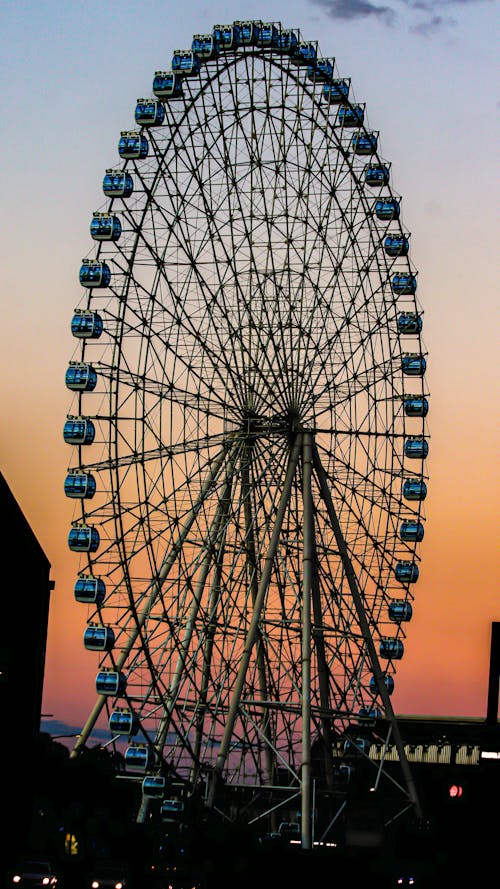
{"x":490,"y":754}
{"x":455,"y":791}
{"x":17,"y":879}
{"x":372,"y":789}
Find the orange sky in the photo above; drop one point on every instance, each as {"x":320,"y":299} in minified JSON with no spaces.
{"x":443,"y":145}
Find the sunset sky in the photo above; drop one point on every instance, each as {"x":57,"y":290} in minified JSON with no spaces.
{"x":428,"y":72}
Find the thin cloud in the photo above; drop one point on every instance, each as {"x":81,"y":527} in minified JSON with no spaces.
{"x":430,"y":14}
{"x":57,"y":729}
{"x":435,"y":23}
{"x":351,"y":10}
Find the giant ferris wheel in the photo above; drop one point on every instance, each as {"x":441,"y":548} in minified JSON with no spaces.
{"x":247,"y":428}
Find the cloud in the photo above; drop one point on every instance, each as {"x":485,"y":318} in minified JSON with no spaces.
{"x":57,"y":729}
{"x":350,"y":10}
{"x":434,"y":21}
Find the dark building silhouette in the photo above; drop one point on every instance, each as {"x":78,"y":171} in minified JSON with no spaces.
{"x":25,"y":612}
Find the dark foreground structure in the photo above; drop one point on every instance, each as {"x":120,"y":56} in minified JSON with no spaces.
{"x":78,"y":815}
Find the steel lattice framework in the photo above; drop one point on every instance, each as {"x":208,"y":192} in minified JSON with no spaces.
{"x":252,"y":430}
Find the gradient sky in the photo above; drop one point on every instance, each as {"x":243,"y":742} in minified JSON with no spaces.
{"x":70,"y":75}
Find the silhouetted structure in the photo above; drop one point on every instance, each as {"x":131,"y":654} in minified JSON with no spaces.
{"x":26,"y":590}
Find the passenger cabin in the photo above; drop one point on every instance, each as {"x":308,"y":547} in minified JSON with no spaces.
{"x":133,"y":145}
{"x":416,"y":448}
{"x":400,"y":611}
{"x":79,"y":485}
{"x":97,"y":637}
{"x":117,"y":184}
{"x":171,"y":809}
{"x":388,"y":682}
{"x":123,"y":722}
{"x":86,"y":325}
{"x":396,"y":245}
{"x":391,"y":649}
{"x":413,"y":365}
{"x":78,"y":431}
{"x":249,"y":32}
{"x":153,"y":787}
{"x":349,"y":117}
{"x":337,"y":92}
{"x":364,"y":143}
{"x":89,"y":590}
{"x":269,"y":37}
{"x":186,"y":62}
{"x":149,"y":113}
{"x":167,"y":85}
{"x":94,"y":273}
{"x":109,"y":682}
{"x":404,"y":285}
{"x":414,"y":489}
{"x":228,"y":36}
{"x":369,"y":713}
{"x":416,"y":406}
{"x":406,"y":572}
{"x":409,"y":323}
{"x":377,"y":175}
{"x":105,"y":227}
{"x":387,"y":209}
{"x":288,"y":41}
{"x":83,"y":538}
{"x":411,"y":531}
{"x":321,"y":71}
{"x":138,"y":759}
{"x":80,"y":377}
{"x":304,"y":54}
{"x":206,"y":46}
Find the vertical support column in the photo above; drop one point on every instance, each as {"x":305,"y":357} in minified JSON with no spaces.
{"x":308,"y":554}
{"x":365,"y":629}
{"x":254,"y":624}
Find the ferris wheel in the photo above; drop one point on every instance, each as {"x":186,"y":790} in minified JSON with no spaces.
{"x":247,"y":430}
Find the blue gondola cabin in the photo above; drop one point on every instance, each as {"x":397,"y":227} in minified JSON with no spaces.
{"x":80,"y":377}
{"x":413,"y":365}
{"x":78,"y":431}
{"x":406,"y":572}
{"x":391,"y":649}
{"x":186,"y":62}
{"x":350,"y":117}
{"x":414,"y":489}
{"x":377,"y":175}
{"x":387,"y":209}
{"x":97,"y":637}
{"x":105,"y":227}
{"x":89,"y":590}
{"x":411,"y":531}
{"x":94,"y":273}
{"x":400,"y":611}
{"x":117,"y":184}
{"x":167,"y":85}
{"x":123,"y":722}
{"x":86,"y":325}
{"x":83,"y":538}
{"x":111,"y":683}
{"x":337,"y":92}
{"x":149,"y":113}
{"x":133,"y":145}
{"x":79,"y":485}
{"x":416,"y":447}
